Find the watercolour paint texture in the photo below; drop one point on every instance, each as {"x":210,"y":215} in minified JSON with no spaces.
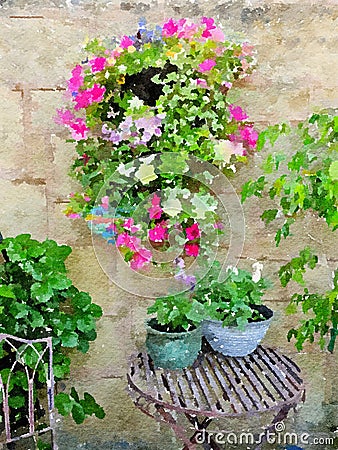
{"x":168,"y":224}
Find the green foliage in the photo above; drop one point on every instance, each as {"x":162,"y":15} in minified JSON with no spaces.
{"x":179,"y":312}
{"x":310,"y":183}
{"x":324,"y":320}
{"x":78,"y":408}
{"x":37,"y":300}
{"x":296,"y":267}
{"x":230,"y":300}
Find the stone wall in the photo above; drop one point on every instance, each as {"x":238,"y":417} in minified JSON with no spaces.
{"x":296,"y":44}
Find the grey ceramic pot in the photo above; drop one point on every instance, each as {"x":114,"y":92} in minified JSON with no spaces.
{"x":172,"y":350}
{"x":230,"y":341}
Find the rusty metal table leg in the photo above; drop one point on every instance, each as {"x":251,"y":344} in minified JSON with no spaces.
{"x":201,"y":426}
{"x":178,"y":430}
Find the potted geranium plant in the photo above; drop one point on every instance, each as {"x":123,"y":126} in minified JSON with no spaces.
{"x":236,"y":321}
{"x":38,"y":300}
{"x":174,"y":334}
{"x":161,"y":91}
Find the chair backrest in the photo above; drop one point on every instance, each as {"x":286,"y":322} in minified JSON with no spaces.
{"x":25,"y":357}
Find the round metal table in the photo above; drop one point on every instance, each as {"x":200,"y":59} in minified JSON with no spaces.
{"x":216,"y":386}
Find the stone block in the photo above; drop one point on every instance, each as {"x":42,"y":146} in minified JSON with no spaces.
{"x":24,"y":209}
{"x":65,"y":230}
{"x":11,"y":133}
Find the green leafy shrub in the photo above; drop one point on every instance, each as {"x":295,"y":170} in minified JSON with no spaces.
{"x":38,"y":300}
{"x":304,"y":181}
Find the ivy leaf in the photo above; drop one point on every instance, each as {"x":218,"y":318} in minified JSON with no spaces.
{"x":78,"y":413}
{"x":64,"y":403}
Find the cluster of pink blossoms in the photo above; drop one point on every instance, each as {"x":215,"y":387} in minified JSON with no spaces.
{"x":160,"y":231}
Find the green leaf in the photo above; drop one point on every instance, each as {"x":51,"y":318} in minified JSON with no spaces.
{"x":269,"y":215}
{"x":6,"y":291}
{"x":16,"y":401}
{"x":78,"y":413}
{"x":64,"y":403}
{"x":69,"y":339}
{"x":333,"y":170}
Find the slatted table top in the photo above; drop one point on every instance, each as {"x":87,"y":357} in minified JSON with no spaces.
{"x":217,"y":385}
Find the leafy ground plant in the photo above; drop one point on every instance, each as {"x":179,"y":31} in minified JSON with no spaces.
{"x":37,"y":299}
{"x":306,"y":183}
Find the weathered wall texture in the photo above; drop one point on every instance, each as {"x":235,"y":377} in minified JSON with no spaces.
{"x":296,"y":42}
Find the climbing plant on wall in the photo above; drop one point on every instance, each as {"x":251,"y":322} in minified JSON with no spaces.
{"x":302,"y":182}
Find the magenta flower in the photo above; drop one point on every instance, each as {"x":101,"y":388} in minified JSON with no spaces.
{"x":76,"y":81}
{"x":193,"y":232}
{"x":250,"y":135}
{"x":79,"y":129}
{"x":98,"y":64}
{"x":140,"y":259}
{"x":129,"y":225}
{"x":64,"y":117}
{"x":206,"y":65}
{"x":202,"y":83}
{"x":89,"y":96}
{"x":155,"y":210}
{"x":74,"y":216}
{"x":131,"y":242}
{"x":158,"y":233}
{"x":169,"y":28}
{"x":237,"y":113}
{"x":126,"y":42}
{"x":209,"y":25}
{"x":192,"y":249}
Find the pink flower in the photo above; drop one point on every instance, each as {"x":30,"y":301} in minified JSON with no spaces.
{"x":158,"y":233}
{"x":74,"y":216}
{"x":105,"y":202}
{"x":140,"y":259}
{"x":250,"y":135}
{"x":89,"y":96}
{"x":247,"y":49}
{"x":237,"y":113}
{"x":217,"y":35}
{"x":76,"y":81}
{"x":169,"y":28}
{"x":193,"y":232}
{"x":129,"y":225}
{"x":64,"y":117}
{"x":155,"y":210}
{"x":206,"y":65}
{"x":126,"y":42}
{"x":79,"y":129}
{"x":192,"y":249}
{"x":209,"y":25}
{"x":218,"y":226}
{"x":131,"y":242}
{"x":98,"y":64}
{"x":202,"y":83}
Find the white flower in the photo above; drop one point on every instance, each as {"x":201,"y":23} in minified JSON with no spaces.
{"x":123,"y":169}
{"x":257,"y":271}
{"x":135,"y":103}
{"x":172,"y":207}
{"x":146,"y":173}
